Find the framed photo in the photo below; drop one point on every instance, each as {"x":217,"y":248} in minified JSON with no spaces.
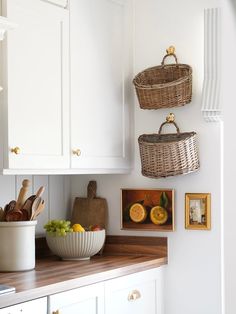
{"x":151,"y":209}
{"x":198,"y":211}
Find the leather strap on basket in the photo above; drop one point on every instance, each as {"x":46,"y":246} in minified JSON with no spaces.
{"x":177,"y":128}
{"x":170,"y":52}
{"x":169,"y":119}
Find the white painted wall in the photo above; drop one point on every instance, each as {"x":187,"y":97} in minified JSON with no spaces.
{"x":56,"y":195}
{"x":229,"y":112}
{"x":193,"y":281}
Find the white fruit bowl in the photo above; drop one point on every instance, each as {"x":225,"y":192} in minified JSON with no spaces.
{"x":76,"y":245}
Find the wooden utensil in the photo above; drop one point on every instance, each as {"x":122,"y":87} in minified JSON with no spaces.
{"x":29,"y":202}
{"x":2,"y":214}
{"x":38,"y":210}
{"x":25,"y":215}
{"x":40,"y":191}
{"x":35,"y":204}
{"x":22,"y":194}
{"x":6,"y":208}
{"x":13,"y":214}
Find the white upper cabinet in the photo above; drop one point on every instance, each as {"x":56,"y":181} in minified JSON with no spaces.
{"x":101,"y":91}
{"x":36,"y":86}
{"x":67,"y":86}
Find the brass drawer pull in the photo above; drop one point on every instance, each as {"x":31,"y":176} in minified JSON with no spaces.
{"x":15,"y":150}
{"x":56,"y":312}
{"x":134,"y":295}
{"x":76,"y":152}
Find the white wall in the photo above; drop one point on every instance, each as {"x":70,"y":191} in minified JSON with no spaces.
{"x":193,"y":281}
{"x":229,"y":111}
{"x":56,"y":195}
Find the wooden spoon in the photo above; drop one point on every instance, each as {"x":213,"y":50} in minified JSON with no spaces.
{"x":13,"y":214}
{"x":35,"y":204}
{"x":28,"y":205}
{"x":38,"y":210}
{"x":40,"y":191}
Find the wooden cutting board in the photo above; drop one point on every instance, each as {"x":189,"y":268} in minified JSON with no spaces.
{"x":90,"y":210}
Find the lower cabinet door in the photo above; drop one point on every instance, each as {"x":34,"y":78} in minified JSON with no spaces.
{"x":137,"y":293}
{"x":85,"y":300}
{"x":38,"y":306}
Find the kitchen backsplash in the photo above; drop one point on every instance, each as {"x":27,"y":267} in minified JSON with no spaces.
{"x":56,"y":195}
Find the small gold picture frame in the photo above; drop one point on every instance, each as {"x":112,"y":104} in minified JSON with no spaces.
{"x":198,"y":211}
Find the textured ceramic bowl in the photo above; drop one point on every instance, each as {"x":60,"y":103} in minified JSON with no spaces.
{"x":76,"y":245}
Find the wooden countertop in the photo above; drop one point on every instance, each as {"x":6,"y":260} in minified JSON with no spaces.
{"x":51,"y":275}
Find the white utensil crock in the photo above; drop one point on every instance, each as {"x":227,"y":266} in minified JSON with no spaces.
{"x":17,"y":245}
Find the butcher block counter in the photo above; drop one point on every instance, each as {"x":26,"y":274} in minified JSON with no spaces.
{"x":122,"y":255}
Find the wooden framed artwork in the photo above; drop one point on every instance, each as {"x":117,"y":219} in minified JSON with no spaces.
{"x":198,"y":211}
{"x":147,"y":209}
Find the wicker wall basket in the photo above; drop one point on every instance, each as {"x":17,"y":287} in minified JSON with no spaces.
{"x":164,"y":155}
{"x":164,"y":86}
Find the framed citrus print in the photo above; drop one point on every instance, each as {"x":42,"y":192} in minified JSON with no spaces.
{"x":147,"y":209}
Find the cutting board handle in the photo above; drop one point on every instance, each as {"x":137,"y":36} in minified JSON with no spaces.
{"x":92,"y":189}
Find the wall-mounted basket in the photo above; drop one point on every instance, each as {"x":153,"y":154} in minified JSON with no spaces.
{"x":164,"y":86}
{"x":164,"y":155}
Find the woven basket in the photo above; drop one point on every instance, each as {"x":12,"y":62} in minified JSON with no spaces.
{"x":164,"y":86}
{"x":164,"y":155}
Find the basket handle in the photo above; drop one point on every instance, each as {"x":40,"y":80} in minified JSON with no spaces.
{"x":169,"y":52}
{"x":169,"y":119}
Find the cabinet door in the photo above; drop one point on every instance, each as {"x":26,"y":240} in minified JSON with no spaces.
{"x":101,"y":91}
{"x":36,"y":78}
{"x":38,"y":306}
{"x":85,"y":300}
{"x":138,"y":293}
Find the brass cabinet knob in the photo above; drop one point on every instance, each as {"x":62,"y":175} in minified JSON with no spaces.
{"x":170,"y":117}
{"x":56,"y":312}
{"x":76,"y":152}
{"x":15,"y":150}
{"x":170,"y":50}
{"x":134,"y":295}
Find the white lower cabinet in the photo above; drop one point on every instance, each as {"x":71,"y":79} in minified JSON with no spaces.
{"x":85,"y":300}
{"x":139,"y":293}
{"x":38,"y":306}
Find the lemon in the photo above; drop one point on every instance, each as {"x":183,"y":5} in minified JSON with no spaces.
{"x":78,"y":228}
{"x":158,"y":215}
{"x":137,"y":212}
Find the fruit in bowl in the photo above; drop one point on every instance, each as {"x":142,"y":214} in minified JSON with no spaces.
{"x":73,"y":243}
{"x":78,"y":228}
{"x":95,"y":228}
